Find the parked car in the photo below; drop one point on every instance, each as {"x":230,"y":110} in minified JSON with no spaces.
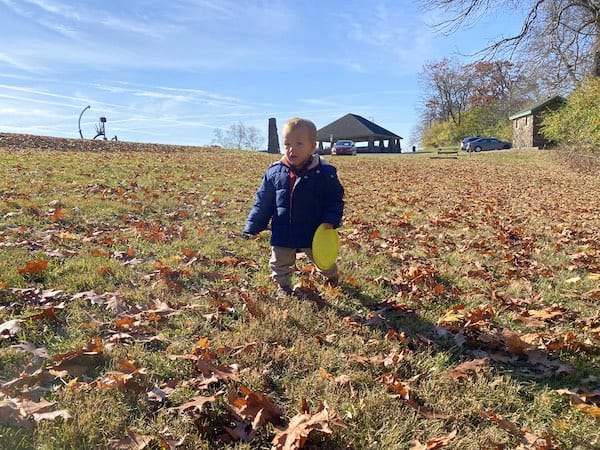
{"x":487,"y":144}
{"x":465,"y":141}
{"x":344,"y":147}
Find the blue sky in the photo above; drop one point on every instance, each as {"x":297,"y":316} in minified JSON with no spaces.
{"x":174,"y":71}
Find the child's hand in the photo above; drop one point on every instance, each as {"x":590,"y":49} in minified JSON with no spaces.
{"x":327,"y":226}
{"x":247,"y":235}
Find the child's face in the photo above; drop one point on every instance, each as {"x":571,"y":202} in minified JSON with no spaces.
{"x":298,"y":145}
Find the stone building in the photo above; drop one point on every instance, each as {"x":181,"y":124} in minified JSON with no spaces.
{"x":527,"y":123}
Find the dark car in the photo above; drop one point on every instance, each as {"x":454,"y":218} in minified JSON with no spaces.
{"x":465,"y":141}
{"x":344,"y":147}
{"x":487,"y":144}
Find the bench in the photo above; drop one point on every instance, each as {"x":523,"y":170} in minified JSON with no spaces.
{"x":445,"y":154}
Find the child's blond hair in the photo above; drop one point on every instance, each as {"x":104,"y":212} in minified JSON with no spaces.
{"x":298,"y":122}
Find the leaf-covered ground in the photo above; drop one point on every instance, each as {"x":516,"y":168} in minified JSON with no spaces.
{"x":133,"y":315}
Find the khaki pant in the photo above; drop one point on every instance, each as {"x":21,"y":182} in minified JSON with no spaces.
{"x":283,"y":261}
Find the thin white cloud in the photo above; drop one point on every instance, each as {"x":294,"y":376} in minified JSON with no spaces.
{"x":49,"y":6}
{"x":61,"y":28}
{"x":16,"y":62}
{"x":36,"y":92}
{"x":130,"y":26}
{"x":26,"y":100}
{"x":158,"y":91}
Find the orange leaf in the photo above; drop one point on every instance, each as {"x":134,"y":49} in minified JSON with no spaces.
{"x":249,"y":404}
{"x":351,"y":281}
{"x":34,"y":267}
{"x":439,"y":289}
{"x":395,"y":385}
{"x":124,"y":322}
{"x":593,"y":411}
{"x":189,"y":253}
{"x":201,"y":347}
{"x":57,"y":214}
{"x":483,"y":313}
{"x":224,"y":373}
{"x":228,"y":260}
{"x":104,"y":270}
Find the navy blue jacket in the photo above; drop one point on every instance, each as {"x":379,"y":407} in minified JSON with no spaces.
{"x":295,"y":214}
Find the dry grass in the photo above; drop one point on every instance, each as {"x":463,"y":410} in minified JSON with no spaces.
{"x":490,"y":259}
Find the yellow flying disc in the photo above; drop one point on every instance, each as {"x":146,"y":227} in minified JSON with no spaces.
{"x":325,"y":246}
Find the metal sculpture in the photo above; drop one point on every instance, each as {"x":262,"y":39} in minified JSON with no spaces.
{"x":100,"y":127}
{"x":84,"y":110}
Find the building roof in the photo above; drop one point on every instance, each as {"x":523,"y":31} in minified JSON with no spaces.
{"x":355,"y":127}
{"x":537,"y":107}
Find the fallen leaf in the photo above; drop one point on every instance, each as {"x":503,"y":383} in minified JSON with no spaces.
{"x":294,"y":436}
{"x":465,"y":369}
{"x":10,"y":328}
{"x":34,"y":267}
{"x":593,"y":411}
{"x":57,"y":214}
{"x":133,"y":441}
{"x":433,"y":444}
{"x":248,"y":404}
{"x":197,"y":403}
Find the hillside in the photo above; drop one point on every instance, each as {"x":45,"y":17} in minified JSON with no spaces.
{"x":30,"y":141}
{"x":133,"y":314}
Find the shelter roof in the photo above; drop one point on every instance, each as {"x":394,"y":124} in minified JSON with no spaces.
{"x":355,"y":127}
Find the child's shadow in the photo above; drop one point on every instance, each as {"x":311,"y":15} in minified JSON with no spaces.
{"x":544,"y":368}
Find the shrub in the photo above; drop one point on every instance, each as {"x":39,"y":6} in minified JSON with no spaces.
{"x":578,"y":123}
{"x":477,"y":121}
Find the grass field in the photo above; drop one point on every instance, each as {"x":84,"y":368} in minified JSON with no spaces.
{"x":132,"y":315}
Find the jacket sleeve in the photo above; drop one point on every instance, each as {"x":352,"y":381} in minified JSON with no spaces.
{"x":262,"y":211}
{"x":334,"y":199}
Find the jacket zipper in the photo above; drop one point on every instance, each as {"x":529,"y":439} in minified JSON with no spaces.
{"x":293,"y":187}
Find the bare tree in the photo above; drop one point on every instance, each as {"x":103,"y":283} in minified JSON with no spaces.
{"x":253,"y":139}
{"x":447,"y":90}
{"x":561,"y":48}
{"x":239,"y":136}
{"x":571,"y":28}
